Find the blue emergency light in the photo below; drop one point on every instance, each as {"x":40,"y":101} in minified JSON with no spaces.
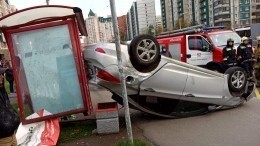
{"x":211,"y":28}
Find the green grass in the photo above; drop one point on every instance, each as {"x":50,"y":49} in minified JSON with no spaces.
{"x":77,"y":130}
{"x":7,"y":86}
{"x":27,"y":110}
{"x":16,"y":107}
{"x":136,"y":143}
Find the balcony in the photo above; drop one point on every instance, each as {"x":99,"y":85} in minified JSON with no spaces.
{"x":222,"y":13}
{"x":223,"y":20}
{"x":221,"y":6}
{"x":203,"y":6}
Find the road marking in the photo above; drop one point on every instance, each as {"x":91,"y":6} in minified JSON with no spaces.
{"x":257,"y":93}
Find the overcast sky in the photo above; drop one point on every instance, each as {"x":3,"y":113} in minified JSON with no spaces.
{"x":101,"y":7}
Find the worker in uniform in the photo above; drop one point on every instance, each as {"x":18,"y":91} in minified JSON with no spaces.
{"x":229,"y":54}
{"x":245,"y":56}
{"x":257,"y":63}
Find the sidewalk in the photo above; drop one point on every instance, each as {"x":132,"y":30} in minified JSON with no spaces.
{"x":99,"y":95}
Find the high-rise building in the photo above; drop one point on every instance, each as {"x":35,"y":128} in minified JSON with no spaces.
{"x":255,"y":10}
{"x":140,"y":16}
{"x":106,"y":31}
{"x":5,"y":7}
{"x":230,"y":13}
{"x":92,"y":28}
{"x":222,"y":12}
{"x":100,"y":29}
{"x":132,"y":22}
{"x":175,"y":11}
{"x":122,"y":27}
{"x":167,"y":14}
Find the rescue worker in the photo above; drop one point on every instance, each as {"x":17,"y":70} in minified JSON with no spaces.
{"x":245,"y":56}
{"x":257,"y":58}
{"x":229,"y":54}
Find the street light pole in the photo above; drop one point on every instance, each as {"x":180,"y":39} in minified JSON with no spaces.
{"x":47,"y":2}
{"x":121,"y":71}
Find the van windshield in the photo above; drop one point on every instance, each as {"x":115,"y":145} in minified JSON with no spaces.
{"x":221,"y":38}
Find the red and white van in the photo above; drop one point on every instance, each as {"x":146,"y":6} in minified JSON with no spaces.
{"x":198,"y":45}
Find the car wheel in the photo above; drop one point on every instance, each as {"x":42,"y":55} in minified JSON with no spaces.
{"x":144,"y":53}
{"x":236,"y":79}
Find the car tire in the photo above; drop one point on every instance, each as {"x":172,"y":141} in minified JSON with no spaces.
{"x":237,"y":79}
{"x":144,"y":53}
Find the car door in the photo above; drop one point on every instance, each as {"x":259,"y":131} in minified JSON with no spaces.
{"x":168,"y":82}
{"x":198,"y":50}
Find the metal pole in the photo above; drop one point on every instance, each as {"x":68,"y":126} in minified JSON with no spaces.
{"x":47,"y":2}
{"x":122,"y":75}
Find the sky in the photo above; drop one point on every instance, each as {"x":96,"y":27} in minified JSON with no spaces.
{"x":100,"y":7}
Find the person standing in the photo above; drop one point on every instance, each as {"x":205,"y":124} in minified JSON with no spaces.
{"x":9,"y":76}
{"x":244,"y":56}
{"x":9,"y":119}
{"x":257,"y":58}
{"x":229,"y":54}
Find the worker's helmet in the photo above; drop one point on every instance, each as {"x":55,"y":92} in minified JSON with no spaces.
{"x":258,"y":38}
{"x":244,"y":39}
{"x":230,"y":40}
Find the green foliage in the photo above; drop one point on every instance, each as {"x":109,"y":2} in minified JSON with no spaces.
{"x":159,"y":30}
{"x":151,"y":30}
{"x":72,"y":131}
{"x":136,"y":143}
{"x":181,"y":23}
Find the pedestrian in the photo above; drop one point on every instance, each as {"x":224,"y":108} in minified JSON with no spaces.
{"x":245,"y":56}
{"x":229,"y":54}
{"x":9,"y":119}
{"x":257,"y":63}
{"x":9,"y":76}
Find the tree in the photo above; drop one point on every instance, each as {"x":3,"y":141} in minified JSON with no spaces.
{"x":183,"y":22}
{"x":151,"y":30}
{"x":123,"y":36}
{"x":228,"y":25}
{"x":194,"y":23}
{"x":159,"y":30}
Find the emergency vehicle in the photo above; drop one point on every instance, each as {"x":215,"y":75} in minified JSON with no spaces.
{"x":198,"y":45}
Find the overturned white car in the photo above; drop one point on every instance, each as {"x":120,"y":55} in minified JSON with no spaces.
{"x":163,"y":86}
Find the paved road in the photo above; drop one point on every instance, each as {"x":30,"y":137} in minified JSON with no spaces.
{"x":235,"y":127}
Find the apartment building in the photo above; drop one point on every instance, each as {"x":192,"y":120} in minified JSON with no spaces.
{"x":5,"y":9}
{"x":230,"y":13}
{"x":255,"y":11}
{"x":92,"y":28}
{"x":140,"y":16}
{"x":106,"y":31}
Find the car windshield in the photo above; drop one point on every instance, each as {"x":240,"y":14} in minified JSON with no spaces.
{"x":221,"y":38}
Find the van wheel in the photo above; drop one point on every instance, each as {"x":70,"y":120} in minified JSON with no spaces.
{"x":215,"y":68}
{"x":144,"y":53}
{"x":236,"y":79}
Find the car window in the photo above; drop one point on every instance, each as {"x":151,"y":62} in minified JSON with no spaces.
{"x":198,"y":43}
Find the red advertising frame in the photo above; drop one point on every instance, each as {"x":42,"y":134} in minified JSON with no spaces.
{"x":72,"y":25}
